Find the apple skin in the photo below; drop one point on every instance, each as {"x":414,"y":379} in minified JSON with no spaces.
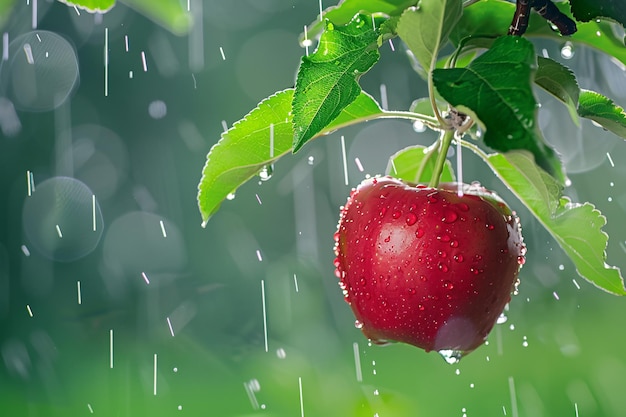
{"x":427,"y":266}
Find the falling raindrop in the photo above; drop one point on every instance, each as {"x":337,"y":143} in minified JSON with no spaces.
{"x":567,"y":51}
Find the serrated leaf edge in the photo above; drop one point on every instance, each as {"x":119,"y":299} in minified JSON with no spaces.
{"x":223,"y":136}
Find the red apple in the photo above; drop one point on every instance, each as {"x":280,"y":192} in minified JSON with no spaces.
{"x":432,"y":267}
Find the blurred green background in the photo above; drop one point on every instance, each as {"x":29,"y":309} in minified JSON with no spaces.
{"x":182,"y":306}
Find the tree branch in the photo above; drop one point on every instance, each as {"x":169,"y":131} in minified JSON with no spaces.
{"x":547,"y":10}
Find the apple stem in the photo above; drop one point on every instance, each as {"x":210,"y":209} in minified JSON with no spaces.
{"x":445,"y":140}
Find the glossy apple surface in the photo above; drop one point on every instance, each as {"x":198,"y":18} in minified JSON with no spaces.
{"x":431,"y":267}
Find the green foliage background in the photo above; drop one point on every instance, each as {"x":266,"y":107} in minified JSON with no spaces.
{"x":572,"y":359}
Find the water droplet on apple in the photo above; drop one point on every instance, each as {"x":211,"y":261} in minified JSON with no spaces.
{"x":396,"y":214}
{"x":419,"y":233}
{"x":442,"y":267}
{"x":449,"y":216}
{"x":454,"y":244}
{"x":448,"y":285}
{"x":458,"y":258}
{"x":380,"y":342}
{"x":451,"y":356}
{"x":412,"y":291}
{"x":432,"y":198}
{"x":463,"y":206}
{"x":411,"y":219}
{"x":444,"y":238}
{"x":358,"y":324}
{"x":490,"y":226}
{"x":423,"y":278}
{"x":363,"y":281}
{"x":383,"y":211}
{"x":521,"y":260}
{"x":420,"y":307}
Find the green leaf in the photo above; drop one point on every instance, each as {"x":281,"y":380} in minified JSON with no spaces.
{"x":585,"y":10}
{"x":425,"y":29}
{"x":603,"y":111}
{"x":6,"y":10}
{"x":406,"y":165}
{"x":496,"y":88}
{"x":492,"y":18}
{"x":576,"y":227}
{"x":91,"y":6}
{"x":423,"y":106}
{"x":342,"y":13}
{"x":246,"y":148}
{"x":345,"y":10}
{"x":327,"y":79}
{"x":559,"y":81}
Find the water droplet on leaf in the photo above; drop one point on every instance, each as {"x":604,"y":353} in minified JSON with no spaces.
{"x":266,"y":172}
{"x":449,"y":216}
{"x":419,"y":127}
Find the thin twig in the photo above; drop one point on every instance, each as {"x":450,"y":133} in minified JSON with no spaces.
{"x":551,"y":13}
{"x":520,"y":18}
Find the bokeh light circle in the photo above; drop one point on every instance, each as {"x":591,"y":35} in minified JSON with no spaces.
{"x":100,"y":159}
{"x":141,"y":248}
{"x":59,"y":218}
{"x":41,"y":72}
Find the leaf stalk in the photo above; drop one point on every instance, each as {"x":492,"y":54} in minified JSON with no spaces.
{"x":444,"y":144}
